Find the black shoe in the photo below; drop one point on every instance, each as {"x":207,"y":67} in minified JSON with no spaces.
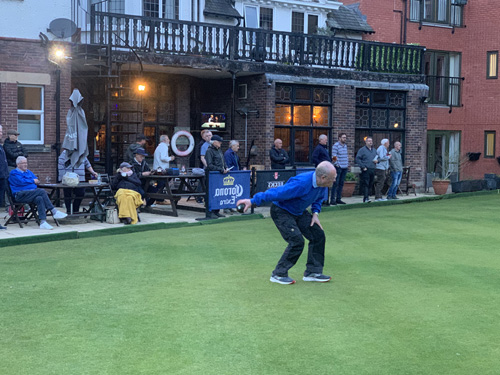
{"x":200,"y":201}
{"x":326,"y":203}
{"x":340,"y":202}
{"x":333,"y":203}
{"x":218,"y":214}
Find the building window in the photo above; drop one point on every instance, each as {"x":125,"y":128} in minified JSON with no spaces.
{"x":448,"y":12}
{"x":489,"y":144}
{"x":302,"y":114}
{"x":312,"y":24}
{"x":380,"y":114}
{"x":297,"y":22}
{"x":30,"y":111}
{"x":161,"y":8}
{"x":492,"y":65}
{"x":266,"y":18}
{"x":442,"y":70}
{"x":251,"y":17}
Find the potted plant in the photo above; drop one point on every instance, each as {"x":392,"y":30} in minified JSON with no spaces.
{"x":349,"y":184}
{"x":448,"y":167}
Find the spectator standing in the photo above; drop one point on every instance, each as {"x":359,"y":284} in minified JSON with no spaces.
{"x":381,"y":168}
{"x":140,"y":143}
{"x":365,"y":161}
{"x":13,"y":148}
{"x":279,"y":157}
{"x":290,"y":215}
{"x":4,"y":175}
{"x":396,"y":168}
{"x":231,"y":156}
{"x":215,"y":162}
{"x":340,"y":160}
{"x":161,"y":157}
{"x":63,"y":166}
{"x":207,"y":137}
{"x":320,"y":153}
{"x":23,"y":184}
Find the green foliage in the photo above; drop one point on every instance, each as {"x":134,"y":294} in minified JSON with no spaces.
{"x":349,"y":176}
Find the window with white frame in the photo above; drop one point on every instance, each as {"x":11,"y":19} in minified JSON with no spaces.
{"x":30,"y":113}
{"x":161,"y":9}
{"x":448,"y":12}
{"x":266,"y":18}
{"x":251,"y":18}
{"x":113,"y":6}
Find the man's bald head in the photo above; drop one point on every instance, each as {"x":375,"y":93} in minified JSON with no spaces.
{"x":325,"y":174}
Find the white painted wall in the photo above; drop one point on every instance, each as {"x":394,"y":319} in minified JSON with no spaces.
{"x":27,"y":18}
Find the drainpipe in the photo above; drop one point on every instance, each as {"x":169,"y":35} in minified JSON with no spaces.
{"x":233,"y":104}
{"x":401,"y":25}
{"x":405,"y":2}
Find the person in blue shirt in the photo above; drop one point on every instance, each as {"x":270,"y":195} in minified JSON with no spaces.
{"x":24,"y":187}
{"x":320,"y":153}
{"x":290,"y":215}
{"x":231,"y":157}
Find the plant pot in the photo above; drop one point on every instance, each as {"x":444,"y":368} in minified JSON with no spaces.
{"x":348,"y":189}
{"x":440,"y":186}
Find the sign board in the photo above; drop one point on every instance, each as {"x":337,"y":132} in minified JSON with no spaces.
{"x":224,"y":190}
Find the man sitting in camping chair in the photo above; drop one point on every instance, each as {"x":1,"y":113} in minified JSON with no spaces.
{"x":23,"y":184}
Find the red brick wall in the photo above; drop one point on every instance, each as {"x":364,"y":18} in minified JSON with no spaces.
{"x":480,"y":111}
{"x":18,"y":55}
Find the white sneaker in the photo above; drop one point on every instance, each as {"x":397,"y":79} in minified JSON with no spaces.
{"x":46,"y":225}
{"x":59,"y":215}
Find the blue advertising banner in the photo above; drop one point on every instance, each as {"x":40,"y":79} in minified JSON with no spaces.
{"x":224,"y":190}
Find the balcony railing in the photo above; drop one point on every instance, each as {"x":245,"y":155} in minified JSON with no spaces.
{"x":238,"y":43}
{"x":444,"y":90}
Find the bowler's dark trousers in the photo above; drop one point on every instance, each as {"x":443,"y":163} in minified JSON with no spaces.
{"x":293,"y":229}
{"x":37,"y":196}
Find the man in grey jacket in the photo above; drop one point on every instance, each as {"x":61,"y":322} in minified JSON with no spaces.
{"x":381,"y":168}
{"x":366,"y":159}
{"x":396,"y":168}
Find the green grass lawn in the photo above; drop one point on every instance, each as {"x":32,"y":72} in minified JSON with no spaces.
{"x":415,"y":290}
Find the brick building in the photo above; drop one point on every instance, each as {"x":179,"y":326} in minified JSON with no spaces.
{"x":28,"y":80}
{"x":298,"y":72}
{"x":461,"y":65}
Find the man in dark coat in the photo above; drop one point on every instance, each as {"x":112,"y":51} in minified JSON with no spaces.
{"x":13,"y":148}
{"x":279,"y":157}
{"x":215,"y":161}
{"x":320,"y":153}
{"x":4,"y":175}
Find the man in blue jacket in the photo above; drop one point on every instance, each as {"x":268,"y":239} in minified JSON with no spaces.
{"x":290,"y":215}
{"x":320,"y":153}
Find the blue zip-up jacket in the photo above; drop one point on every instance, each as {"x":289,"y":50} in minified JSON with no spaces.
{"x":232,"y":160}
{"x":20,"y":181}
{"x":296,"y":195}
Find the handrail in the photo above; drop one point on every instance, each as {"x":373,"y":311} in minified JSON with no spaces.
{"x":180,"y":37}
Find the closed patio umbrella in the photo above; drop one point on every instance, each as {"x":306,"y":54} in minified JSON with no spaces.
{"x":75,"y":139}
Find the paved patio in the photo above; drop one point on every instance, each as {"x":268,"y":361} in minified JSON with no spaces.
{"x":88,"y":225}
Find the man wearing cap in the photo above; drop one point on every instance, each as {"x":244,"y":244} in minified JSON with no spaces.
{"x":215,"y":161}
{"x":4,"y":175}
{"x":129,"y":193}
{"x":140,"y":143}
{"x":13,"y":148}
{"x":141,"y":168}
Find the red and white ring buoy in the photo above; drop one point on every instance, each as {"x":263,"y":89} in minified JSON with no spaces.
{"x":182,"y":133}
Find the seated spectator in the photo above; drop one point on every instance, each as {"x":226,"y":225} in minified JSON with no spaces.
{"x":129,"y":193}
{"x":23,"y":184}
{"x":64,"y":165}
{"x":141,"y":168}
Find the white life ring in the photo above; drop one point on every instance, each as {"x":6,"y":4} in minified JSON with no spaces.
{"x":181,"y":133}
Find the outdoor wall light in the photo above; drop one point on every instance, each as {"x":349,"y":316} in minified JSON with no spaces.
{"x":141,"y":87}
{"x":424,"y":99}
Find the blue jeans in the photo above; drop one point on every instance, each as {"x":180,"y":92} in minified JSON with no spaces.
{"x":396,"y":180}
{"x":338,"y":186}
{"x":38,"y":197}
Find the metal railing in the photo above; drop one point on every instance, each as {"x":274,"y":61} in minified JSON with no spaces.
{"x":238,"y":43}
{"x":444,"y":90}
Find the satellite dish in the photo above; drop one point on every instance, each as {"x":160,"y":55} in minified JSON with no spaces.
{"x":62,"y":28}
